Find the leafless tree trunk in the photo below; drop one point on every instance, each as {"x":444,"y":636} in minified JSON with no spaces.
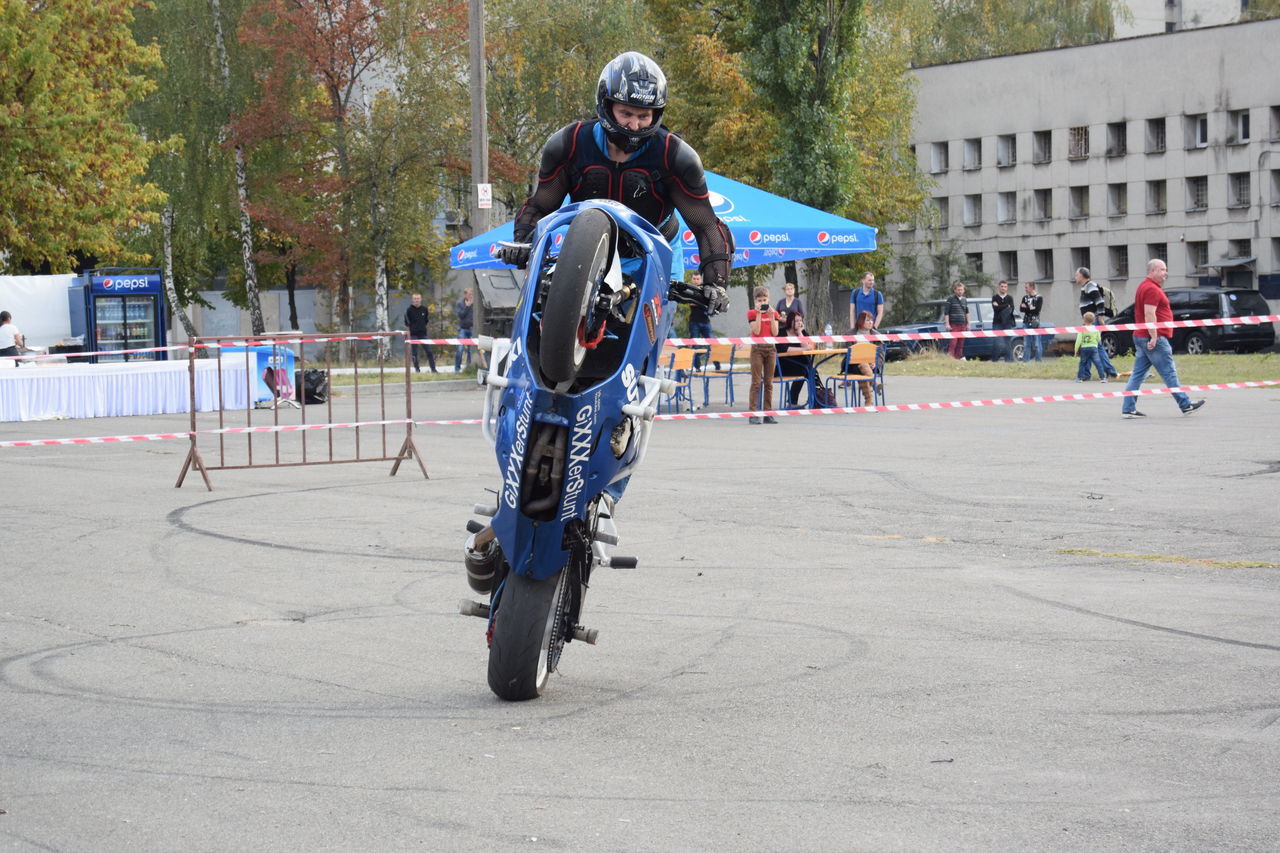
{"x":170,"y":289}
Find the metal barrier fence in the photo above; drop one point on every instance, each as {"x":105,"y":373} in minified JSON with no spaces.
{"x":275,"y":380}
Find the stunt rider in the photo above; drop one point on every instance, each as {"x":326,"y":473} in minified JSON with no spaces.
{"x":625,"y":154}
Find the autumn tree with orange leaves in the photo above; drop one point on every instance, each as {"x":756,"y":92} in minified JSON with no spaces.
{"x":349,"y":136}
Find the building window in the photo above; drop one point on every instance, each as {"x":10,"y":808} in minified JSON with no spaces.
{"x":1042,"y":146}
{"x":1078,"y":142}
{"x":1117,"y":201}
{"x":1079,"y":203}
{"x":1155,"y":136}
{"x":1042,"y":205}
{"x":1080,"y":257}
{"x":1197,"y":255}
{"x":1237,"y":127}
{"x":1044,"y":264}
{"x":1157,"y":198}
{"x":1119,"y":258}
{"x":1275,"y":123}
{"x":1158,"y":251}
{"x":973,"y":153}
{"x":1117,"y":139}
{"x":944,"y":218}
{"x":973,"y":210}
{"x":1240,"y":248}
{"x":1197,"y":131}
{"x":1198,"y":193}
{"x":1007,"y":207}
{"x":1009,"y":266}
{"x":973,"y":260}
{"x":1238,"y":189}
{"x":1006,"y":150}
{"x":940,"y":161}
{"x":1275,"y":193}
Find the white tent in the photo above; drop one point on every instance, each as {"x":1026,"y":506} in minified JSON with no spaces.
{"x":39,"y":306}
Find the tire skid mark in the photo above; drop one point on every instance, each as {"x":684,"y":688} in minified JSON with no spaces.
{"x":1178,"y":632}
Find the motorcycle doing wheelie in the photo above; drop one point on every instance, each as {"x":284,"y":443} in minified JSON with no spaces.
{"x":569,"y":405}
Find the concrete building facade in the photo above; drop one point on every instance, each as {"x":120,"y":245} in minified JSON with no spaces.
{"x":1107,"y":155}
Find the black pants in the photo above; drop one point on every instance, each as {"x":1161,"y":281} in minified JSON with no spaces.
{"x":431,"y":359}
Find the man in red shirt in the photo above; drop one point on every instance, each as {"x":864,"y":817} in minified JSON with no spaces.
{"x":1151,"y":347}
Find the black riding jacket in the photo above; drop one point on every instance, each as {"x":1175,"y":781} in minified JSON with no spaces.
{"x":664,"y":176}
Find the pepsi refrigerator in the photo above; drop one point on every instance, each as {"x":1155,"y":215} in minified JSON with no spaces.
{"x":118,"y":309}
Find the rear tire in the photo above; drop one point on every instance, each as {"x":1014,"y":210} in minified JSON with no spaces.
{"x":528,"y":635}
{"x":567,"y":314}
{"x":1196,"y":344}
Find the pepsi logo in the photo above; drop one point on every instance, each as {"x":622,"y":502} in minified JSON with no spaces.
{"x":695,"y":259}
{"x":559,"y":239}
{"x":824,"y":238}
{"x":719,"y":203}
{"x":687,"y":236}
{"x":462,"y":255}
{"x":494,"y":248}
{"x":754,"y":236}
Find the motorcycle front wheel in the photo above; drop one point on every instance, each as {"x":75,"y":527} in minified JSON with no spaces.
{"x":567,"y":316}
{"x":528,"y":635}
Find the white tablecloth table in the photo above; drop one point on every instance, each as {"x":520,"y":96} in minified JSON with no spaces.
{"x":118,"y":389}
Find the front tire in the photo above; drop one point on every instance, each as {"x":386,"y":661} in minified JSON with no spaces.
{"x":528,"y":635}
{"x":567,"y":316}
{"x":1197,"y":344}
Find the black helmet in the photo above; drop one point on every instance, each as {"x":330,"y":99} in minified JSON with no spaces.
{"x":634,"y":79}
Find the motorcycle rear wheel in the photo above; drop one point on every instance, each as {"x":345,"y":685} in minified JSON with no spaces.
{"x":567,"y":316}
{"x":528,"y":635}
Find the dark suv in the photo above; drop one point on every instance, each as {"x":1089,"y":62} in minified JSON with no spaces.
{"x":931,"y":316}
{"x":1204,"y":303}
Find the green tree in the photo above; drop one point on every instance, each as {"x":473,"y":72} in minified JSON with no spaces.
{"x":191,"y":105}
{"x":71,"y":164}
{"x":955,"y":30}
{"x":1260,"y":9}
{"x":543,"y":60}
{"x":800,"y":58}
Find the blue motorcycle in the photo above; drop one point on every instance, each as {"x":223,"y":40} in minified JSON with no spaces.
{"x":569,"y":405}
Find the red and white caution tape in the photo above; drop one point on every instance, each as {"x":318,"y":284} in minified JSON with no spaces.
{"x":965,"y":404}
{"x":696,"y":416}
{"x":100,"y":439}
{"x":159,"y":436}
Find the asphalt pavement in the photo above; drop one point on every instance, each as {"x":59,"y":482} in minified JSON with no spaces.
{"x":1035,"y":627}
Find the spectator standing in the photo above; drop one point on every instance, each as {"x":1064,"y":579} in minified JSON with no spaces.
{"x":1002,"y":318}
{"x":1092,"y":299}
{"x":1031,"y":305}
{"x":789,"y":302}
{"x":11,"y":340}
{"x":957,"y":309}
{"x":764,"y":323}
{"x":465,"y":310}
{"x":415,"y":322}
{"x":1152,"y":347}
{"x":1088,"y":345}
{"x":866,"y":298}
{"x":699,"y":322}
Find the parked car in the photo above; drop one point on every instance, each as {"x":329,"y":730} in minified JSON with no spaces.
{"x":1204,"y":303}
{"x":931,"y":317}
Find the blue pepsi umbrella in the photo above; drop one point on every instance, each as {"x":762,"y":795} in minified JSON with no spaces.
{"x":767,"y":229}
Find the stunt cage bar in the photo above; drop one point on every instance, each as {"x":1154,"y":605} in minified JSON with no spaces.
{"x":284,"y":395}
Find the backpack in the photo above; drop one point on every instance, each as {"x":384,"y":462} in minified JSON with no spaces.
{"x":1108,"y":301}
{"x":823,"y":398}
